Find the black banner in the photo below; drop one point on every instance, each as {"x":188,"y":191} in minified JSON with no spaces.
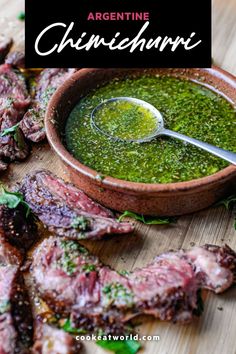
{"x":118,"y":33}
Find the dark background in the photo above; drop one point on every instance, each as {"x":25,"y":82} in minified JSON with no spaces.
{"x":167,"y":18}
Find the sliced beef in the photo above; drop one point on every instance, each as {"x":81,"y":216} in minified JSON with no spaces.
{"x":5,"y":46}
{"x":13,"y":95}
{"x":16,"y":59}
{"x":51,"y":340}
{"x":17,"y":228}
{"x":14,"y":101}
{"x":77,"y":284}
{"x":67,"y":278}
{"x":66,"y":210}
{"x":13,"y":146}
{"x":15,"y":314}
{"x":47,"y":83}
{"x":214,"y":266}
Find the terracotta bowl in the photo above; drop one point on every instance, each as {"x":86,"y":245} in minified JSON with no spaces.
{"x":148,"y":199}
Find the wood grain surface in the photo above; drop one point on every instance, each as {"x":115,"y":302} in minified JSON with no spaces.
{"x":214,"y":332}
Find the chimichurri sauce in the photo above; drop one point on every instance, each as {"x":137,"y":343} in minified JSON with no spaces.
{"x":187,"y":107}
{"x":125,"y":120}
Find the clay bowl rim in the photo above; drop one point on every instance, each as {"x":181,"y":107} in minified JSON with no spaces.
{"x":119,"y":184}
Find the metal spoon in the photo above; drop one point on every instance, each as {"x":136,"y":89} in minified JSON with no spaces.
{"x":160,"y":130}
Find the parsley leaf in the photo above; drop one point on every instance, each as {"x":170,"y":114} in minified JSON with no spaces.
{"x":67,"y":327}
{"x":12,"y":200}
{"x":228,"y":203}
{"x":127,"y":346}
{"x":79,"y":222}
{"x":9,"y":131}
{"x":21,"y":16}
{"x":16,"y":133}
{"x":148,"y":220}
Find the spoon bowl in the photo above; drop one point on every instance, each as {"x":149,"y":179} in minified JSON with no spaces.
{"x":156,"y":114}
{"x":159,"y":130}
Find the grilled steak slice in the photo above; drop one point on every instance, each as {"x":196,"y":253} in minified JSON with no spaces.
{"x":5,"y":46}
{"x":15,"y":315}
{"x":14,"y":101}
{"x":16,"y":228}
{"x":13,"y":95}
{"x":51,"y":340}
{"x":47,"y":83}
{"x":13,"y":146}
{"x":214,"y":266}
{"x":76,"y":284}
{"x":16,"y":59}
{"x":66,"y":210}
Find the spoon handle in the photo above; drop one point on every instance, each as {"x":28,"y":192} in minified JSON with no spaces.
{"x":224,"y":154}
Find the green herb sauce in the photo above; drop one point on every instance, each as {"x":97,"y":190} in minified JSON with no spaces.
{"x":117,"y":293}
{"x":80,"y":223}
{"x":187,"y":107}
{"x":68,"y":260}
{"x":125,"y":120}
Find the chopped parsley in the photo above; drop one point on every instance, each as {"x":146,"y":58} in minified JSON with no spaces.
{"x":89,"y":268}
{"x":73,"y":246}
{"x":80,"y":222}
{"x":68,"y":260}
{"x":66,"y":264}
{"x":116,"y":292}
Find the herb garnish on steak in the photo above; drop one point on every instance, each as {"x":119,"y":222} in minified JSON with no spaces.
{"x":66,"y":210}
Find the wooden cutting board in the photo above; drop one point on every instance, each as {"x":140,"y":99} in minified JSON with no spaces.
{"x":214,"y":332}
